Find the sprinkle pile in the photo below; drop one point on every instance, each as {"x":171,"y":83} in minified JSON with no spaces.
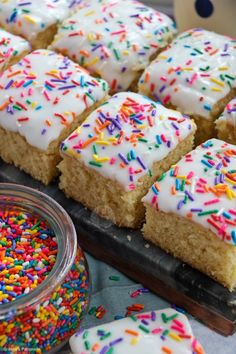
{"x":43,"y":94}
{"x":28,"y":18}
{"x":114,"y":43}
{"x":47,"y":325}
{"x":202,"y":187}
{"x":10,"y":47}
{"x":125,"y":136}
{"x":194,"y":73}
{"x":28,"y":250}
{"x":167,"y":331}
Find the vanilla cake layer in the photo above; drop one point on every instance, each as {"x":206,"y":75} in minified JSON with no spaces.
{"x":43,"y":99}
{"x":226,"y":124}
{"x":196,"y":75}
{"x":114,"y":40}
{"x":113,"y":158}
{"x":165,"y":330}
{"x":12,"y":49}
{"x":36,"y":21}
{"x":197,"y":197}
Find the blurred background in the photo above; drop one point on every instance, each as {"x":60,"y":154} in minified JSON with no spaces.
{"x":213,"y":15}
{"x":162,"y":5}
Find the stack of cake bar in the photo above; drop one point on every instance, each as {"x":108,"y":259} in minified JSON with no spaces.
{"x":107,"y":95}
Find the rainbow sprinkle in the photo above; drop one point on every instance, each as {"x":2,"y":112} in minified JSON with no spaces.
{"x":194,"y":73}
{"x":202,"y":187}
{"x":113,"y":43}
{"x":167,"y":331}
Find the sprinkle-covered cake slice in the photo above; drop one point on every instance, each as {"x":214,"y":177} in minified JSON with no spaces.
{"x":35,"y":20}
{"x":164,"y":331}
{"x":112,"y":159}
{"x":115,"y":40}
{"x":197,"y":197}
{"x":226,"y":124}
{"x":43,"y":98}
{"x":197,"y":75}
{"x":12,"y":49}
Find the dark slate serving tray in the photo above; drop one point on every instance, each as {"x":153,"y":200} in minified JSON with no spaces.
{"x":127,"y":251}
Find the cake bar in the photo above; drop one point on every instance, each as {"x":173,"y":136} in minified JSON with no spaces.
{"x":43,"y":98}
{"x":36,"y":21}
{"x":115,"y":40}
{"x":191,"y":211}
{"x":165,"y":331}
{"x":196,"y":75}
{"x":12,"y":49}
{"x":112,"y":159}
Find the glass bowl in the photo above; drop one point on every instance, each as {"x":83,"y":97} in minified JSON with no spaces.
{"x":44,"y":319}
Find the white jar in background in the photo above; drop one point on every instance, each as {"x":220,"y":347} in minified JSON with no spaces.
{"x":214,"y":15}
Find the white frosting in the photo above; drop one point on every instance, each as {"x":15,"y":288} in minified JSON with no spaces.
{"x":114,"y":38}
{"x":203,"y":181}
{"x":139,"y":132}
{"x":29,"y":17}
{"x":151,"y":332}
{"x":229,"y":114}
{"x":43,"y":93}
{"x":11,"y":46}
{"x":194,"y":73}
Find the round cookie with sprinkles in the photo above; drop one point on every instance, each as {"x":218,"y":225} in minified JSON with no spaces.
{"x":12,"y":49}
{"x":116,"y":154}
{"x":226,"y":124}
{"x":37,"y":22}
{"x":114,"y":39}
{"x":168,"y":331}
{"x":197,"y":197}
{"x":196,"y":74}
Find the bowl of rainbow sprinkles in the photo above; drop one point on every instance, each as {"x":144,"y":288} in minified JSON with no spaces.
{"x":44,"y":281}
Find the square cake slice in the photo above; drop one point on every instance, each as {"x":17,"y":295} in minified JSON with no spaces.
{"x":36,"y":21}
{"x":161,"y":332}
{"x":112,"y":159}
{"x":196,"y":75}
{"x":115,"y":40}
{"x":226,"y":124}
{"x":12,"y":49}
{"x":43,"y":98}
{"x":191,"y":211}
